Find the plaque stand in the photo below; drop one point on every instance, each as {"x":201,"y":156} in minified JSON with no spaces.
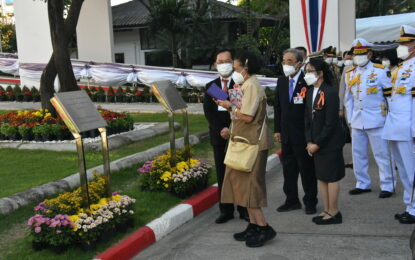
{"x":171,"y":100}
{"x":80,"y":115}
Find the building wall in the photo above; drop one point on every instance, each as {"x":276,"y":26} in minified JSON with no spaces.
{"x":128,"y":43}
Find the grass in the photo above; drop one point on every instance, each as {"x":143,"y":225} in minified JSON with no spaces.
{"x":23,"y":169}
{"x":16,"y":244}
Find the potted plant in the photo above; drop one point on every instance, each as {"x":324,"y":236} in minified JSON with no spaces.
{"x":110,"y":95}
{"x":25,"y":132}
{"x":100,"y":95}
{"x":35,"y":94}
{"x":128,"y":95}
{"x":56,"y":131}
{"x":18,"y":93}
{"x":10,"y":93}
{"x":3,"y":96}
{"x":27,"y":94}
{"x":9,"y":131}
{"x":119,"y":95}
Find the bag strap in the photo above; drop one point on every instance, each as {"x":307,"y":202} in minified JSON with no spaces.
{"x":262,"y":128}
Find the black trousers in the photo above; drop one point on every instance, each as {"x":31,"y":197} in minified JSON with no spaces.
{"x":219,"y":152}
{"x":295,"y":160}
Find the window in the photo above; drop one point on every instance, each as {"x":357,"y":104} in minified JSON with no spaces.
{"x":119,"y":58}
{"x":148,"y":40}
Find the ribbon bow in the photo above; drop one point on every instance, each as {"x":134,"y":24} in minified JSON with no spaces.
{"x":303,"y":92}
{"x":320,"y":102}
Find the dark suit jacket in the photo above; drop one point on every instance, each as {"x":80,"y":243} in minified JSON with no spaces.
{"x":217,"y":119}
{"x":289,"y":117}
{"x":324,"y":128}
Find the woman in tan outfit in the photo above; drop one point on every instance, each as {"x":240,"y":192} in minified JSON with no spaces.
{"x":248,"y":189}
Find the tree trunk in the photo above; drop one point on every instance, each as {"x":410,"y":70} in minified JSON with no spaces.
{"x":174,"y":51}
{"x":249,"y":29}
{"x":49,"y":73}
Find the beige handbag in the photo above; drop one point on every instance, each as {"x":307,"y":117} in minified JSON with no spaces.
{"x":241,"y":155}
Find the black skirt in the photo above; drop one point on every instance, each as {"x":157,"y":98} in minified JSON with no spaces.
{"x":329,"y":165}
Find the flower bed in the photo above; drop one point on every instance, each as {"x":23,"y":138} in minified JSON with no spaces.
{"x":40,"y":125}
{"x":184,"y":179}
{"x":61,"y":222}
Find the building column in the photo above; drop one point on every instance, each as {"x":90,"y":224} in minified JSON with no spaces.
{"x":95,"y":32}
{"x":317,"y":24}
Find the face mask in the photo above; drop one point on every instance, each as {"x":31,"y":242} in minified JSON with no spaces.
{"x":340,"y":63}
{"x":335,"y":61}
{"x":238,"y":78}
{"x":310,"y":78}
{"x":386,"y":63}
{"x":403,"y":52}
{"x":288,"y":70}
{"x":348,"y":62}
{"x":225,"y":69}
{"x":360,"y":60}
{"x":328,"y":60}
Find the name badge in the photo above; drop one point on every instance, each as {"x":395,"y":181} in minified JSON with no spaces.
{"x":298,"y":99}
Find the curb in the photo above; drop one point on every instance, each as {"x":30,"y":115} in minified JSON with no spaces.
{"x":168,"y":222}
{"x":162,"y":226}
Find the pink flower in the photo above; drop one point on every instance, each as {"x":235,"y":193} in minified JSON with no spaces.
{"x":38,"y":229}
{"x":58,"y":231}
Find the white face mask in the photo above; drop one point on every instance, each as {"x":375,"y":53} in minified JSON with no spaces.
{"x":403,"y":52}
{"x":348,"y":62}
{"x":225,"y":69}
{"x":360,"y":60}
{"x":386,"y":63}
{"x":288,"y":70}
{"x":310,"y":78}
{"x":328,"y":60}
{"x":238,"y":78}
{"x":340,"y":63}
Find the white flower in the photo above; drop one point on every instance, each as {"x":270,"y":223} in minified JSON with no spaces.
{"x":93,"y":225}
{"x":84,"y":227}
{"x":105,"y":220}
{"x":184,"y":179}
{"x":131,"y":212}
{"x":124,"y":211}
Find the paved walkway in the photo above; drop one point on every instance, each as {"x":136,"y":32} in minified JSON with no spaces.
{"x":369,"y":230}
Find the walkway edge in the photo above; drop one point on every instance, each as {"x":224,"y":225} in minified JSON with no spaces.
{"x":168,"y":222}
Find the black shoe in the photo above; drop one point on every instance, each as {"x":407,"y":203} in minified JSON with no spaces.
{"x":385,"y":194}
{"x":310,"y":210}
{"x":348,"y":165}
{"x":262,"y":235}
{"x":337,"y":219}
{"x":223,"y":218}
{"x":314,"y":219}
{"x":248,"y":232}
{"x":407,"y":219}
{"x":399,"y":215}
{"x":358,"y":191}
{"x":244,"y":216}
{"x":288,"y":207}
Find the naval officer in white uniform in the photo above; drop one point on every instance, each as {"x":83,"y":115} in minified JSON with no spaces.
{"x":400,"y":123}
{"x":366,"y":113}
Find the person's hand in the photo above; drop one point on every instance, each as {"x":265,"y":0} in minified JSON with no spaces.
{"x":312,"y":149}
{"x":277,"y":137}
{"x":224,"y":133}
{"x":223,"y":103}
{"x":341,"y":113}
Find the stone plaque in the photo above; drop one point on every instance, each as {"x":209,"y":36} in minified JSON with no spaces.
{"x":77,"y":111}
{"x":168,"y":95}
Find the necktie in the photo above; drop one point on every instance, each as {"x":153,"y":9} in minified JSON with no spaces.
{"x":225,"y":85}
{"x":291,"y":90}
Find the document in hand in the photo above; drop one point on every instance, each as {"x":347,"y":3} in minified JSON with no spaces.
{"x":216,"y":92}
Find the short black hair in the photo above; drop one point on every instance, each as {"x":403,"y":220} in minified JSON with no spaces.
{"x":301,"y":48}
{"x":222,"y":51}
{"x":249,"y":61}
{"x":320,"y":65}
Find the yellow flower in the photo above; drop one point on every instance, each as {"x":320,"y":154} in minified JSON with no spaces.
{"x":166,"y":176}
{"x":166,"y":185}
{"x":401,"y":90}
{"x":117,"y":198}
{"x":95,"y":207}
{"x":103,"y":201}
{"x":73,"y":218}
{"x":193,"y":163}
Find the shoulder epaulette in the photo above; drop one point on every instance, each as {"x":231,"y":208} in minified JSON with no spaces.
{"x":350,"y":69}
{"x":381,"y":66}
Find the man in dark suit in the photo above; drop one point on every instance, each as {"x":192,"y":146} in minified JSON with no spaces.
{"x":219,"y":121}
{"x":289,"y":112}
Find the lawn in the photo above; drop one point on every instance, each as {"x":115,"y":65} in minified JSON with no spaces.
{"x":23,"y":169}
{"x":16,"y":245}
